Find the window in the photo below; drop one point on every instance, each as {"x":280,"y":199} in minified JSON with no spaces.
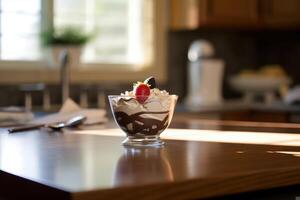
{"x":122,"y":28}
{"x":129,"y":35}
{"x":20,"y":26}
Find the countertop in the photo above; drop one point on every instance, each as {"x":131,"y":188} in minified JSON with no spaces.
{"x":194,"y":163}
{"x":238,"y":105}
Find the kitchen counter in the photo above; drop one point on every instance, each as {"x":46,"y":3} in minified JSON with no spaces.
{"x":194,"y":163}
{"x":238,"y":105}
{"x":240,"y":111}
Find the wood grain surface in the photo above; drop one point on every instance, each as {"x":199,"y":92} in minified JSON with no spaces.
{"x":94,"y":165}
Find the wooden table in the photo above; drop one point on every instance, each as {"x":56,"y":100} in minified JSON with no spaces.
{"x":194,"y":164}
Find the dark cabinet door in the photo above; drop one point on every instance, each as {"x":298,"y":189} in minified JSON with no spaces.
{"x":280,"y":12}
{"x":229,"y":12}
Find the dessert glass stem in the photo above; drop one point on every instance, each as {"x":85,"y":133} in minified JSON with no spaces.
{"x":144,"y":141}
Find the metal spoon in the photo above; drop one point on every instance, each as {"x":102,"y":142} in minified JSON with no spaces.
{"x":73,"y":122}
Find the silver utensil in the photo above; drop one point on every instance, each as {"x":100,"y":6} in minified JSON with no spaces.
{"x":73,"y":122}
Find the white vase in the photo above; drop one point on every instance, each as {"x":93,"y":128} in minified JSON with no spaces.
{"x":74,"y":53}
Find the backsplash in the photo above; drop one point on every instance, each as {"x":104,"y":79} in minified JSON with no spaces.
{"x":280,"y":47}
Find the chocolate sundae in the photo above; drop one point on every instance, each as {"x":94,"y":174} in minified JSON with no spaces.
{"x":144,"y":112}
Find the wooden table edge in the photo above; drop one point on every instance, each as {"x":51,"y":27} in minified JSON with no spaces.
{"x":200,"y":188}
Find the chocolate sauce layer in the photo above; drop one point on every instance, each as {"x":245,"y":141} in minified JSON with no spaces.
{"x":136,"y":125}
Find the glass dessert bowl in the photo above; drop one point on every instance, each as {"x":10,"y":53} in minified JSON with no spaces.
{"x":143,"y":117}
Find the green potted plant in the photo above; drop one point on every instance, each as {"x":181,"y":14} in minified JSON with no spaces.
{"x":70,"y":38}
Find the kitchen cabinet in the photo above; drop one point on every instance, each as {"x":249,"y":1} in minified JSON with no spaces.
{"x":184,"y":14}
{"x":193,"y":14}
{"x":227,"y":12}
{"x":280,"y":12}
{"x":243,"y":115}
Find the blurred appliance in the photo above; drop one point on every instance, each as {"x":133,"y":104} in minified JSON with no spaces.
{"x":293,"y":96}
{"x":205,"y":76}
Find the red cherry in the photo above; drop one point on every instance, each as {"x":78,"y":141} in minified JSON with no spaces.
{"x":141,"y":92}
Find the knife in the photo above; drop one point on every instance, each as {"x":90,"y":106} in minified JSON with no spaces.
{"x":25,"y":128}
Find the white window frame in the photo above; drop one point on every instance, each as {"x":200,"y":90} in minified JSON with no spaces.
{"x":12,"y":72}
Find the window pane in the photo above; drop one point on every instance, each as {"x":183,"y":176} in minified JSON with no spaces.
{"x":26,"y":24}
{"x":118,"y":24}
{"x":20,"y":26}
{"x":20,"y":48}
{"x":25,"y":6}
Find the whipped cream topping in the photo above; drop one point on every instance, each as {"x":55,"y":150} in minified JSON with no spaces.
{"x":158,"y":100}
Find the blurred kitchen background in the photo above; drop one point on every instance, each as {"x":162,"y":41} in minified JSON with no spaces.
{"x":240,"y":58}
